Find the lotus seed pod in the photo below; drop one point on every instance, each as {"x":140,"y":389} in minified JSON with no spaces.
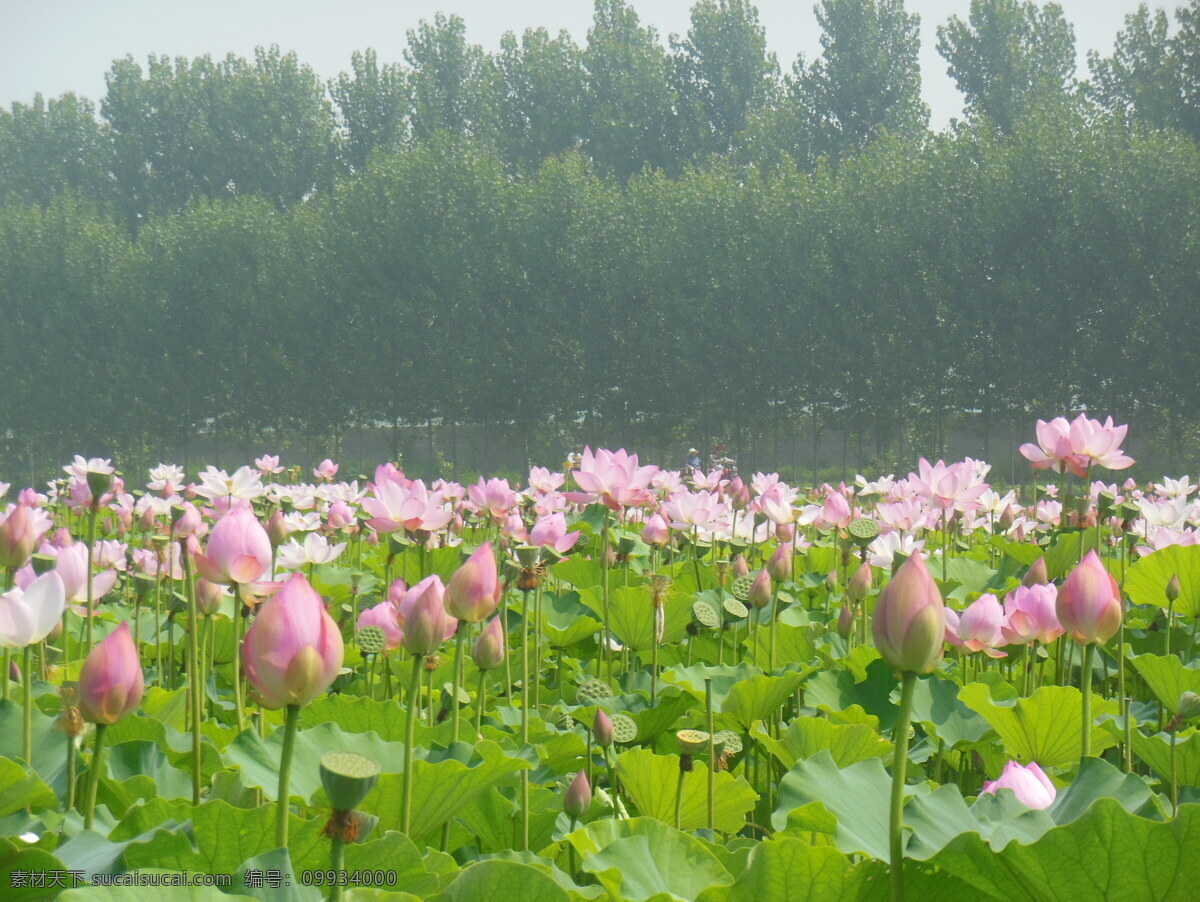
{"x":348,"y":777}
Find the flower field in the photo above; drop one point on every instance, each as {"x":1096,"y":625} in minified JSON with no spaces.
{"x":613,"y":682}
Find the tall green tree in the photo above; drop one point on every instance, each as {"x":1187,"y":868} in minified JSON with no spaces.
{"x":868,"y":77}
{"x":47,"y":146}
{"x":373,"y":102}
{"x":1140,"y":81}
{"x":1009,"y":56}
{"x":450,"y":80}
{"x":723,"y":71}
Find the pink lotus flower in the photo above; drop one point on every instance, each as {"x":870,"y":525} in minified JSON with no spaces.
{"x":836,"y":511}
{"x":655,"y":531}
{"x":493,"y":498}
{"x":28,"y":616}
{"x":209,"y":596}
{"x":20,"y":528}
{"x":382,"y":615}
{"x":1030,"y":615}
{"x":474,"y":588}
{"x":268,"y":464}
{"x":551,"y":532}
{"x":394,"y":506}
{"x":1029,"y":783}
{"x":1089,"y":602}
{"x":110,"y":681}
{"x":613,"y":478}
{"x":909,"y":623}
{"x":1077,"y":445}
{"x":293,"y":650}
{"x":71,"y":566}
{"x":544,"y":481}
{"x":488,"y":651}
{"x":979,"y":627}
{"x":238,"y":550}
{"x":326,"y":470}
{"x":339,"y":515}
{"x":424,"y":618}
{"x":954,"y":487}
{"x":692,"y":510}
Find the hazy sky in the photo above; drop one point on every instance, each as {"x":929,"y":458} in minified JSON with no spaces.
{"x":54,"y":46}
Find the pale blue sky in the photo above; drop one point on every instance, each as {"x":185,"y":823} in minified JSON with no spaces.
{"x":54,"y":46}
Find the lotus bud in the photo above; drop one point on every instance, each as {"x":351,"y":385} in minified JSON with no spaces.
{"x":18,"y":535}
{"x":740,"y":567}
{"x":860,"y":583}
{"x":396,"y":590}
{"x":1172,"y":590}
{"x":474,"y":588}
{"x":1089,"y":602}
{"x":738,"y":493}
{"x":277,"y":528}
{"x":845,"y":620}
{"x":1030,"y":785}
{"x":780,"y":564}
{"x":1189,"y":705}
{"x":602,"y":729}
{"x":238,"y":550}
{"x":426,"y":623}
{"x":761,"y":590}
{"x":1036,"y":575}
{"x":578,"y":797}
{"x":488,"y":651}
{"x":1007,"y":518}
{"x":293,"y":649}
{"x":110,"y":681}
{"x":208,"y":597}
{"x":656,"y":532}
{"x":909,"y":624}
{"x":785,"y":532}
{"x":339,"y":515}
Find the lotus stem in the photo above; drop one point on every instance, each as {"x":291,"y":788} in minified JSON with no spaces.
{"x":481,"y":702}
{"x":193,"y":669}
{"x":899,"y":765}
{"x":285,"y":774}
{"x":459,"y":637}
{"x":89,"y":816}
{"x":712,"y":757}
{"x":27,"y":701}
{"x":93,"y":513}
{"x":410,"y":733}
{"x":1086,"y":682}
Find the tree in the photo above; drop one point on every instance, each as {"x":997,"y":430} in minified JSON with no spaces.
{"x":449,"y":80}
{"x":868,"y":77}
{"x":46,"y":147}
{"x":631,"y":108}
{"x":723,"y":71}
{"x":1008,"y":57}
{"x":539,"y":90}
{"x":372,"y":103}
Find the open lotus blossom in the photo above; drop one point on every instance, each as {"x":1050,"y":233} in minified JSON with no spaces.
{"x":979,"y":626}
{"x":394,"y":505}
{"x":690,"y":510}
{"x":29,"y":615}
{"x":1028,"y":782}
{"x":1099,"y":444}
{"x":612,"y":478}
{"x":1175,"y":488}
{"x":953,"y":487}
{"x":1030,"y":616}
{"x":493,"y":499}
{"x":551,"y":532}
{"x":245,"y":484}
{"x":71,"y":566}
{"x":268,"y":464}
{"x":543,"y":481}
{"x":325,"y":470}
{"x":316,"y":549}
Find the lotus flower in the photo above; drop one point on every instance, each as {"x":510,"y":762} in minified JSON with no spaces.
{"x":293,"y":650}
{"x":238,"y":550}
{"x":551,"y":532}
{"x":394,"y":505}
{"x":612,"y":478}
{"x":110,"y":681}
{"x":382,"y":615}
{"x":1029,"y":783}
{"x":909,"y":623}
{"x":474,"y":588}
{"x":655,"y":531}
{"x":578,"y":797}
{"x":488,"y":651}
{"x":1030,"y":615}
{"x":1089,"y":602}
{"x":980,"y":626}
{"x":28,"y":616}
{"x":424,"y":618}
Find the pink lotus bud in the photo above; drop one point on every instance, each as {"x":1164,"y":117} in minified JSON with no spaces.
{"x":425,"y":621}
{"x":909,"y":624}
{"x":831,"y":582}
{"x":110,"y":681}
{"x":1030,"y":785}
{"x":1172,"y":589}
{"x":277,"y":528}
{"x":1089,"y":602}
{"x":1036,"y":575}
{"x":836,"y":511}
{"x":238,"y":550}
{"x":655,"y":532}
{"x":382,"y":615}
{"x":339,"y":515}
{"x":185,"y":520}
{"x":29,"y":497}
{"x":488,"y":651}
{"x":785,"y":532}
{"x":474,"y":589}
{"x":860,"y":583}
{"x":578,"y":798}
{"x":740,"y":567}
{"x":845,"y":620}
{"x":780,"y":564}
{"x":602,"y":729}
{"x":293,"y":650}
{"x":396,"y":591}
{"x":18,"y":535}
{"x":1030,"y":615}
{"x":209,"y":596}
{"x":761,"y":590}
{"x":61,"y":538}
{"x":738,"y":493}
{"x":1007,"y":518}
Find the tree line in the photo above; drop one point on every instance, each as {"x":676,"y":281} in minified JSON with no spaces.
{"x":563,"y":237}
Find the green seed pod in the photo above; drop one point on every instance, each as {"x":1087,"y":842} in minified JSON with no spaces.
{"x":347,"y":778}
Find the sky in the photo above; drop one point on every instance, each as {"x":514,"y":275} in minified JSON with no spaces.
{"x":54,"y":46}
